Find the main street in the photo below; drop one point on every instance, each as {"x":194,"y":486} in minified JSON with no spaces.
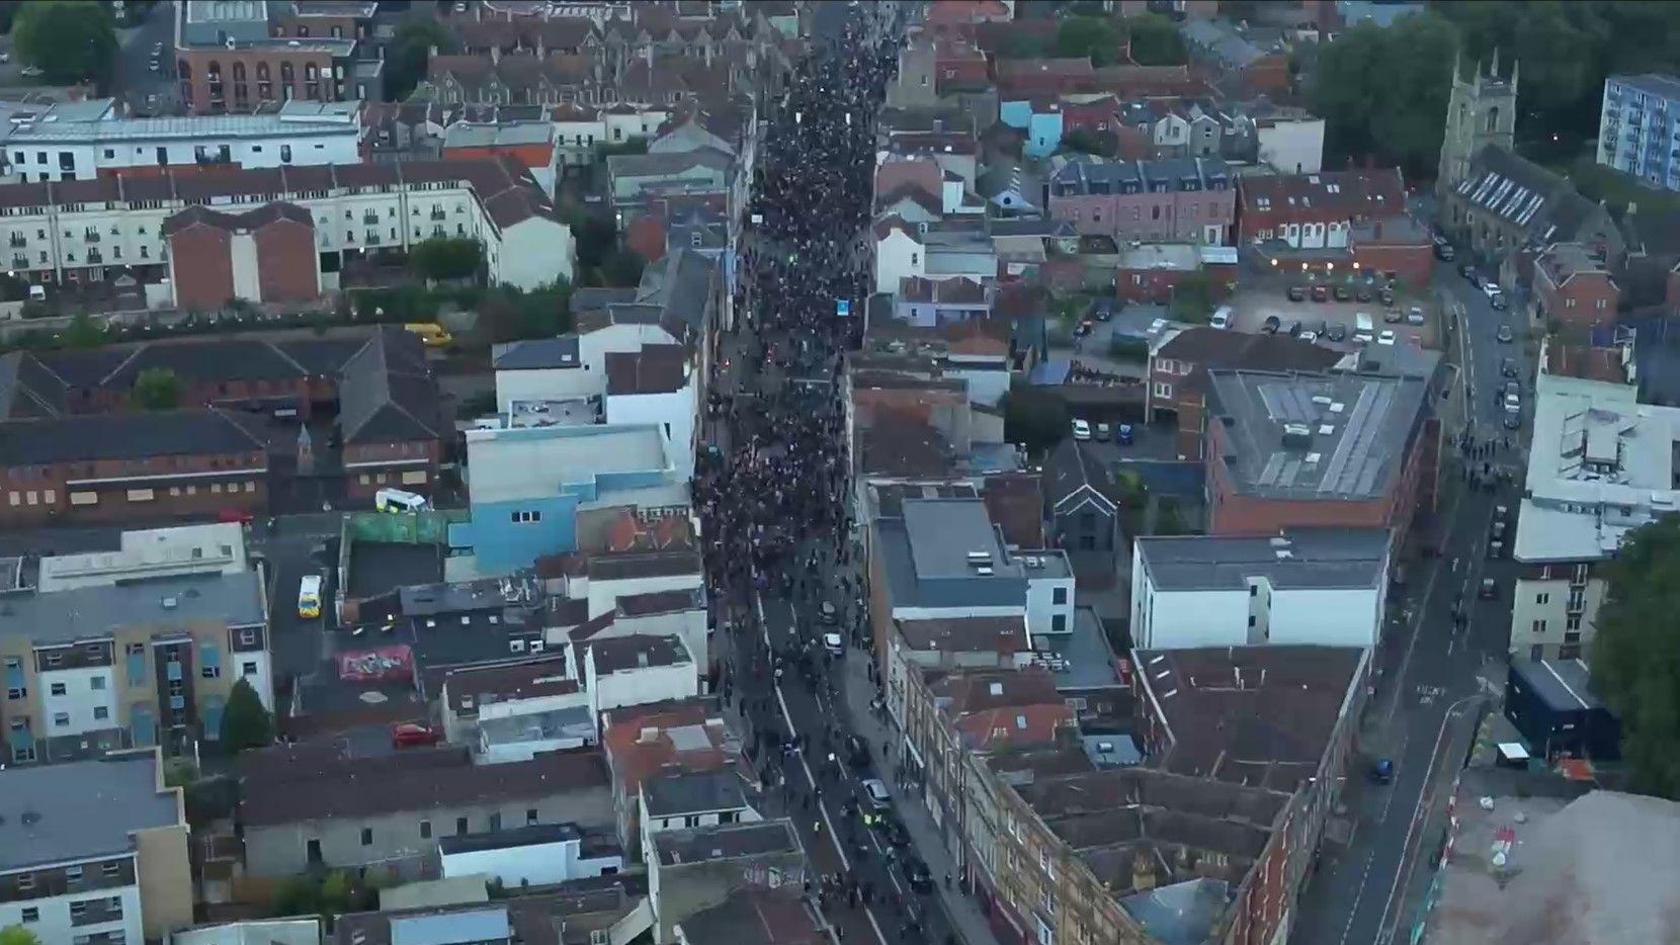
{"x":1436,"y":675}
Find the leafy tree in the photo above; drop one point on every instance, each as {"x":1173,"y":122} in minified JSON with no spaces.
{"x":1155,"y":41}
{"x":1036,"y":419}
{"x":446,"y":257}
{"x":157,"y":389}
{"x":1079,"y":37}
{"x":18,"y":935}
{"x":1085,"y":141}
{"x":510,"y":314}
{"x":1636,"y":654}
{"x":1383,"y":92}
{"x":1192,"y":299}
{"x":1021,"y":44}
{"x":83,"y":332}
{"x":410,"y":52}
{"x":69,"y":42}
{"x":245,"y":723}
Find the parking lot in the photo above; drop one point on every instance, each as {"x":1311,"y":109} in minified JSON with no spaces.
{"x":1252,"y":307}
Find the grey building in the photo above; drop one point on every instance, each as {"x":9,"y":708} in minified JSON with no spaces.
{"x":1084,"y":499}
{"x":693,"y":870}
{"x":310,"y":806}
{"x":694,"y":799}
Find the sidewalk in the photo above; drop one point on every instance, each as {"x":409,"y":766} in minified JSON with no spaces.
{"x":966,"y":919}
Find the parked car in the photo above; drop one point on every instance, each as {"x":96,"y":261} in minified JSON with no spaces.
{"x":1414,"y":315}
{"x":1342,"y":294}
{"x":1393,"y":316}
{"x":917,"y":876}
{"x":1297,"y":293}
{"x":1513,"y":421}
{"x":1102,"y":309}
{"x":1320,"y":293}
{"x":1336,"y":331}
{"x":1385,"y":295}
{"x":1081,"y":430}
{"x":1311,"y":336}
{"x":1271,"y":324}
{"x":1123,"y":434}
{"x":1470,"y":275}
{"x":1364,"y":293}
{"x":413,"y":734}
{"x":1445,"y":253}
{"x":1504,"y":336}
{"x":1508,"y":367}
{"x":1386,"y":337}
{"x":879,"y":797}
{"x":1294,"y":328}
{"x":1498,"y":302}
{"x":1491,"y":288}
{"x":1103,"y":432}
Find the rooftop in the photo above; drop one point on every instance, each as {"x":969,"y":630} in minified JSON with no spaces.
{"x":56,"y":127}
{"x":724,"y":841}
{"x":1002,"y":635}
{"x":933,"y":556}
{"x":1651,"y":83}
{"x":682,"y":736}
{"x":1179,"y":257}
{"x":512,"y":464}
{"x":1564,"y":685}
{"x":637,"y":651}
{"x":163,"y":604}
{"x":1355,"y":194}
{"x":81,"y":810}
{"x":1318,"y":558}
{"x":1316,"y":436}
{"x":527,"y":836}
{"x":757,"y":917}
{"x":467,"y":134}
{"x":693,"y":792}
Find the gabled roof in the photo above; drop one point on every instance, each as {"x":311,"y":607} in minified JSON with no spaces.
{"x":387,"y":393}
{"x":1077,"y":478}
{"x":125,"y":436}
{"x":536,"y":354}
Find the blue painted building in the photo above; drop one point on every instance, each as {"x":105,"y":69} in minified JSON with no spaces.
{"x":1639,"y":128}
{"x":527,"y":487}
{"x":1041,"y":122}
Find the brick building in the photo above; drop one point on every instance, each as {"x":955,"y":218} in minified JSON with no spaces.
{"x":1183,"y":199}
{"x":1359,"y":450}
{"x":1316,"y":211}
{"x":1180,"y":362}
{"x":1572,"y":285}
{"x":1151,"y":272}
{"x":262,"y":255}
{"x":236,"y":55}
{"x":1396,"y":244}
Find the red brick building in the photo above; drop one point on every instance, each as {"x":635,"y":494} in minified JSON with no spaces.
{"x":1352,"y":450}
{"x":1043,"y":78}
{"x":1572,"y":285}
{"x":959,"y":65}
{"x":262,"y":255}
{"x":1151,"y":272}
{"x":1179,"y":366}
{"x":234,"y":57}
{"x":1395,"y":245}
{"x":1316,"y":211}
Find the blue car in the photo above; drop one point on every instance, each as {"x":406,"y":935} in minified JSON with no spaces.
{"x":1383,"y":771}
{"x":1123,"y":434}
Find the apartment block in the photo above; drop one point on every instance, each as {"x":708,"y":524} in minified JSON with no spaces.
{"x":1639,"y":128}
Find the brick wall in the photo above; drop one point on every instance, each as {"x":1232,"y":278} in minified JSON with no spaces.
{"x":193,"y":70}
{"x":202,"y":265}
{"x":286,"y":261}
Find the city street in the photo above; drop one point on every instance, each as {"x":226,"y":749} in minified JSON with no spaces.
{"x":1435,"y":677}
{"x":147,"y":92}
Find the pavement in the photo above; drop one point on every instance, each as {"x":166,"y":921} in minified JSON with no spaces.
{"x":1434,"y":676}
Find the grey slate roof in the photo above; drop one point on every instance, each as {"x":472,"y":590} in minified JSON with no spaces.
{"x":123,"y":436}
{"x":387,"y":393}
{"x":1077,"y":477}
{"x":694,"y":793}
{"x":1299,"y":558}
{"x":84,"y":613}
{"x":536,"y":354}
{"x":79,"y":810}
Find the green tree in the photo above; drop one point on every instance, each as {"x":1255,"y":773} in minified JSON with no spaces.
{"x":1085,"y":141}
{"x":1034,"y":418}
{"x":157,"y":388}
{"x":410,"y":52}
{"x":1155,"y":41}
{"x":17,"y":935}
{"x":337,"y":892}
{"x":1021,"y":44}
{"x":1080,"y":37}
{"x":1192,"y":299}
{"x":1383,"y":92}
{"x":83,"y":332}
{"x":509,"y":314}
{"x":622,"y":268}
{"x":69,"y":42}
{"x":446,"y":257}
{"x":245,"y":723}
{"x":1636,"y":654}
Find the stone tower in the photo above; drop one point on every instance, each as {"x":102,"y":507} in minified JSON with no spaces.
{"x":1481,"y":110}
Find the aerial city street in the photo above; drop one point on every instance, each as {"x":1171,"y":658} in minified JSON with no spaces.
{"x":810,"y":472}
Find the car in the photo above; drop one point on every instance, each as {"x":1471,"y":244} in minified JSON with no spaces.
{"x":1297,"y":293}
{"x":1083,"y":328}
{"x":1294,"y":328}
{"x":1386,"y":337}
{"x":1103,"y":432}
{"x":1222,"y":318}
{"x":876,"y":791}
{"x":1491,"y":288}
{"x":412,"y":734}
{"x":1271,"y":324}
{"x":1382,"y":770}
{"x":1336,"y":331}
{"x":857,"y":751}
{"x":833,"y":644}
{"x":1513,"y":421}
{"x":1513,"y":403}
{"x":1445,"y":252}
{"x":5,"y":57}
{"x":1504,"y":336}
{"x":31,"y":72}
{"x":1081,"y":430}
{"x":1103,"y":310}
{"x":894,"y":833}
{"x":156,"y":65}
{"x":235,"y":517}
{"x":1393,"y":316}
{"x":1309,"y":336}
{"x":1507,"y":367}
{"x":828,"y":613}
{"x":1414,"y":315}
{"x":1342,"y":294}
{"x":918,"y":878}
{"x":1470,"y":275}
{"x":1385,"y":295}
{"x":1498,"y":303}
{"x":1320,"y":293}
{"x":1364,"y":293}
{"x":1123,"y":434}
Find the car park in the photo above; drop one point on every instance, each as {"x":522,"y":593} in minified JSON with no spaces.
{"x":1320,"y":293}
{"x":1297,"y":293}
{"x":1081,"y":430}
{"x":1271,"y":324}
{"x":1504,"y":336}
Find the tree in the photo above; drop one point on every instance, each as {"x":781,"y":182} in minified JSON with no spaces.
{"x":509,"y":314}
{"x":1636,"y":654}
{"x":1080,"y":37}
{"x":83,"y":332}
{"x":446,"y":257}
{"x":1383,"y":92}
{"x":410,"y":54}
{"x":1192,"y":298}
{"x":1037,"y":419}
{"x":1085,"y":141}
{"x":1155,"y":41}
{"x":622,"y":268}
{"x":156,"y":388}
{"x":18,"y":935}
{"x":1020,"y":44}
{"x":69,"y":42}
{"x":245,"y":723}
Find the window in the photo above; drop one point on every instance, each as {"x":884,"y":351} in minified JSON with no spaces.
{"x":72,"y":874}
{"x":286,"y":149}
{"x":530,"y":816}
{"x":78,"y":909}
{"x":61,"y":719}
{"x":100,"y":712}
{"x":30,"y":914}
{"x":691,"y":821}
{"x":1058,"y":596}
{"x":57,"y":688}
{"x":1058,"y":623}
{"x":495,"y":822}
{"x":1542,"y":598}
{"x":367,"y":836}
{"x":248,"y":668}
{"x":26,"y":882}
{"x":526,"y":518}
{"x":1163,"y":390}
{"x":425,"y":830}
{"x":460,"y":826}
{"x":97,"y":683}
{"x":1251,"y":621}
{"x":1538,"y":628}
{"x":1254,"y":590}
{"x":111,"y":869}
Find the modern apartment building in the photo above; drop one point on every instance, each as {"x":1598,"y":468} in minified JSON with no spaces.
{"x":1639,"y":128}
{"x":95,"y":852}
{"x":139,"y":646}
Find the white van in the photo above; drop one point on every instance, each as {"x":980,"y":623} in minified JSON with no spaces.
{"x":309,"y":597}
{"x":398,"y":500}
{"x":1363,"y":327}
{"x":1223,"y":317}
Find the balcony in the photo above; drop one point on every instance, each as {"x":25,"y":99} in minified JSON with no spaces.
{"x":91,"y":236}
{"x":371,"y":236}
{"x":20,"y":262}
{"x":94,"y":258}
{"x":370,"y":218}
{"x":18,"y":242}
{"x":438,"y":214}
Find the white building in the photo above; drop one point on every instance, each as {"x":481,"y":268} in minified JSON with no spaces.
{"x":1290,"y":140}
{"x":692,"y":799}
{"x":82,"y":140}
{"x":1600,"y":464}
{"x":150,"y":553}
{"x":305,"y":930}
{"x":474,"y":695}
{"x":636,"y":670}
{"x":899,"y":254}
{"x":656,"y":386}
{"x":94,"y":851}
{"x":73,"y":230}
{"x":535,"y":855}
{"x":1318,"y":587}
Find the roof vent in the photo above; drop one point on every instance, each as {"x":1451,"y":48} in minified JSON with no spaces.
{"x":170,"y":603}
{"x":1338,"y":407}
{"x":1321,"y":400}
{"x":996,"y":688}
{"x":1284,"y":554}
{"x":1325,"y":429}
{"x":984,"y":571}
{"x":1297,"y":435}
{"x":1313,"y":458}
{"x":979,"y":557}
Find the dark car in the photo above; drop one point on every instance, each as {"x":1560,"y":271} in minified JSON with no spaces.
{"x":1508,"y":367}
{"x":1297,"y":293}
{"x":1102,"y":309}
{"x":1513,"y":421}
{"x":857,"y":751}
{"x":1489,"y":589}
{"x":828,"y":613}
{"x":1271,"y":325}
{"x":1385,"y":295}
{"x":1364,"y":293}
{"x":1382,"y":771}
{"x":917,"y":876}
{"x":1294,"y":328}
{"x":1342,"y":294}
{"x":1123,"y":434}
{"x":1469,"y":273}
{"x":1504,"y":335}
{"x":894,"y":833}
{"x":1082,"y":329}
{"x":1337,"y":331}
{"x":1498,"y":302}
{"x":1320,"y":293}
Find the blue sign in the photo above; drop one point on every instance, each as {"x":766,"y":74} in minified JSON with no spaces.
{"x":843,"y":307}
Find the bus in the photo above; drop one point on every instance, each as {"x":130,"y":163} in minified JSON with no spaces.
{"x":432,"y":335}
{"x":309,"y":597}
{"x":398,"y":500}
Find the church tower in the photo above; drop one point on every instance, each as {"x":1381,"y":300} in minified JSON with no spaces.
{"x":1481,"y":111}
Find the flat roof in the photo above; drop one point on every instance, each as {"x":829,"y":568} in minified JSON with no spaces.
{"x":86,"y":613}
{"x":1316,"y":436}
{"x":466,"y":134}
{"x":1565,"y":685}
{"x":944,"y":535}
{"x":724,"y":841}
{"x":1298,"y":558}
{"x":959,"y":591}
{"x":80,"y":810}
{"x":50,"y":128}
{"x":512,"y":464}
